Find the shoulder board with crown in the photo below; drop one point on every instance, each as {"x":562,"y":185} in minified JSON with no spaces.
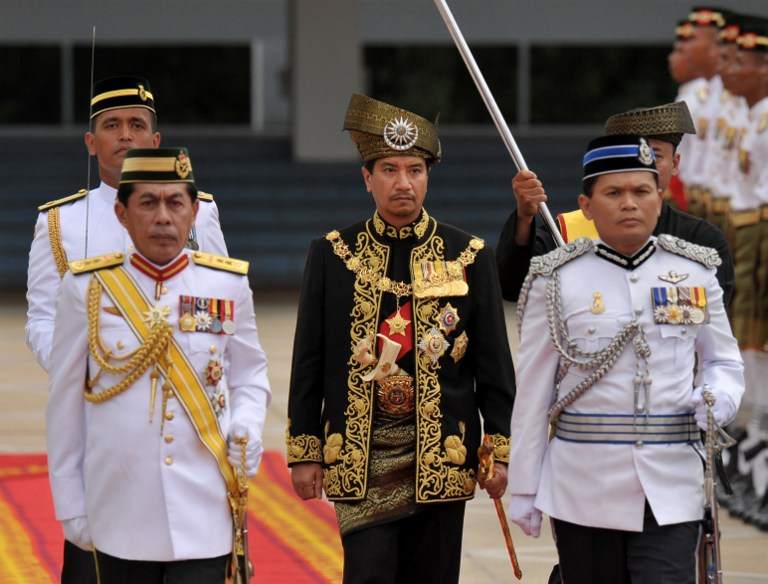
{"x":546,"y":264}
{"x":223,"y":263}
{"x":62,"y":201}
{"x":763,"y":123}
{"x":92,"y":264}
{"x":706,"y":256}
{"x":207,"y":197}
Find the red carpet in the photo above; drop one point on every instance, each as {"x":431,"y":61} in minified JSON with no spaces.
{"x":291,"y":541}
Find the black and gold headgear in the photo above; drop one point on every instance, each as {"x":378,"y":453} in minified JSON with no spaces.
{"x":380,"y":130}
{"x":157,"y":165}
{"x":121,"y":92}
{"x":666,"y":122}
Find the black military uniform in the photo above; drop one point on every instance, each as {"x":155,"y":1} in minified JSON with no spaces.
{"x":400,"y":346}
{"x":668,"y":123}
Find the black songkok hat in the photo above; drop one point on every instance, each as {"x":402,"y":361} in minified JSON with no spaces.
{"x":666,"y":122}
{"x":754,"y":35}
{"x":121,"y":92}
{"x":623,"y":153}
{"x":157,"y":165}
{"x":708,"y":16}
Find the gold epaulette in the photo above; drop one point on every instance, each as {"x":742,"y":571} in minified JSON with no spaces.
{"x":224,"y":263}
{"x":51,"y":204}
{"x":207,"y":197}
{"x":108,"y":260}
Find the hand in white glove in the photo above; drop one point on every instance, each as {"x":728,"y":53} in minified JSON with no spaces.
{"x":522,"y":512}
{"x":76,"y":531}
{"x":253,"y":449}
{"x":724,"y":409}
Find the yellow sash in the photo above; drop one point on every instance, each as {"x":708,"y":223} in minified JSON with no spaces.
{"x":133,"y":305}
{"x":574,"y":225}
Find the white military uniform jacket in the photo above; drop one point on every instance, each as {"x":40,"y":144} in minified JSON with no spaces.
{"x":149,"y":495}
{"x":722,"y":159}
{"x":695,"y":93}
{"x":606,"y":484}
{"x":753,"y":188}
{"x":105,"y":234}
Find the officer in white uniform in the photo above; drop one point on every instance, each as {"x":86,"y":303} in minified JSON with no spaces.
{"x":164,"y":342}
{"x":123,"y":117}
{"x":609,"y":333}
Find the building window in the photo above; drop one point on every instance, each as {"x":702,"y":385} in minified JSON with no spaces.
{"x":192,"y":84}
{"x":433,"y":79}
{"x":586,"y":84}
{"x":36,"y":99}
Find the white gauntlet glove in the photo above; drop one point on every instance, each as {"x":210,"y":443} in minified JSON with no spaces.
{"x":76,"y":531}
{"x":724,"y":409}
{"x":522,"y":512}
{"x":253,"y":450}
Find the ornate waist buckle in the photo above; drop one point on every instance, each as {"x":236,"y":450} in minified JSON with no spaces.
{"x":395,"y":395}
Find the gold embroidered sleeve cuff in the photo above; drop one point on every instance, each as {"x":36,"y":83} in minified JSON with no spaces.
{"x":500,"y":448}
{"x":303,"y":448}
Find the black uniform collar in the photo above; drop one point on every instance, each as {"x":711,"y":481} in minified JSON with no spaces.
{"x":628,"y":263}
{"x":415,"y":229}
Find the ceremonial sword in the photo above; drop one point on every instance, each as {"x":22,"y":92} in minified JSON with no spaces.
{"x":87,"y":153}
{"x":485,"y":454}
{"x":493,"y":108}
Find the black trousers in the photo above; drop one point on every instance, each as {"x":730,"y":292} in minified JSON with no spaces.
{"x":423,"y":548}
{"x":79,"y":566}
{"x":114,"y":570}
{"x":657,"y":555}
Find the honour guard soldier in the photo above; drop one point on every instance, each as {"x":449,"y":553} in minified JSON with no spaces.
{"x":523,"y":237}
{"x":609,"y":333}
{"x":694,"y":65}
{"x":123,"y":116}
{"x":400,"y":346}
{"x":750,"y":307}
{"x":158,"y":391}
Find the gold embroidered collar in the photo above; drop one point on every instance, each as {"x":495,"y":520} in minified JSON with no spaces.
{"x":418,"y":227}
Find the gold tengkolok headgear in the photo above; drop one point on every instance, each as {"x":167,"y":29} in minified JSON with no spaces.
{"x":157,"y":165}
{"x":380,"y":130}
{"x":666,"y":122}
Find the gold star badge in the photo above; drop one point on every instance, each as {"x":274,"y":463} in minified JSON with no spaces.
{"x":397,"y":324}
{"x":157,"y":315}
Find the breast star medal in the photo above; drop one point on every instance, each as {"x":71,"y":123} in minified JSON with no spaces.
{"x":397,"y":324}
{"x":213,"y":374}
{"x":598,"y":306}
{"x":434,"y":345}
{"x":448,"y":319}
{"x":157,"y":315}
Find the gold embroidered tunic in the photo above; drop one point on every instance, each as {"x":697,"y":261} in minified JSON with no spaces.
{"x":355,"y":280}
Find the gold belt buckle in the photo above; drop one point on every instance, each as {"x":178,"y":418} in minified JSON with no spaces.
{"x":395,"y":394}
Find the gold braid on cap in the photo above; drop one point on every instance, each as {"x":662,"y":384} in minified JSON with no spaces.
{"x":149,"y":353}
{"x":670,"y":118}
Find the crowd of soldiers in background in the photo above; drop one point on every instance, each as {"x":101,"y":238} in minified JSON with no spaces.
{"x":720,"y":61}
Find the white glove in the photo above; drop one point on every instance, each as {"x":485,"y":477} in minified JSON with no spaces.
{"x":724,"y":409}
{"x":76,"y":531}
{"x":522,"y":512}
{"x":253,"y":450}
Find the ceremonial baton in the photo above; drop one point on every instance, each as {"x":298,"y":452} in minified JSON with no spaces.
{"x":493,"y":108}
{"x":485,"y":454}
{"x":88,"y":154}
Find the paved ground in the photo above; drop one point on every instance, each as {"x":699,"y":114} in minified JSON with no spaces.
{"x":22,"y":402}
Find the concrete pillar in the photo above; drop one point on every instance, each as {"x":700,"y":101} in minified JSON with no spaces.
{"x":326,"y":69}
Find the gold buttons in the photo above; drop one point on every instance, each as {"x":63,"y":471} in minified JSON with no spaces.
{"x":120,"y":345}
{"x":168,"y":438}
{"x":169,"y":415}
{"x":213,"y":349}
{"x":169,"y":460}
{"x":164,"y":290}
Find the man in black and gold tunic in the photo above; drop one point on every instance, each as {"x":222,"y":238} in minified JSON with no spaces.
{"x":400,"y":346}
